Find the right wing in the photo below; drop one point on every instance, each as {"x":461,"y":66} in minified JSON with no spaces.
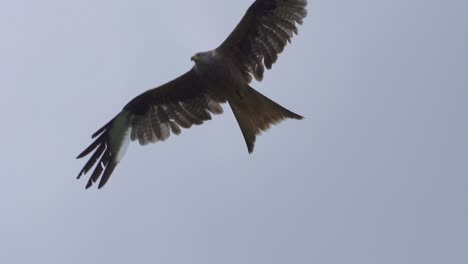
{"x":148,"y":118}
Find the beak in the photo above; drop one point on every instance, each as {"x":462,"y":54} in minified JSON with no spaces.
{"x":193,"y":58}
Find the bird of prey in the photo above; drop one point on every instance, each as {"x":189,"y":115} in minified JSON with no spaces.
{"x":218,"y":76}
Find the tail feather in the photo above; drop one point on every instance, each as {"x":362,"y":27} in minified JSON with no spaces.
{"x":256,"y":113}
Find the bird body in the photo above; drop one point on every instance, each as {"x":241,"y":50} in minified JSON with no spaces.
{"x":218,"y":73}
{"x":218,"y":76}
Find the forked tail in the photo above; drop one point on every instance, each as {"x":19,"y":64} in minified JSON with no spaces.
{"x":256,"y":113}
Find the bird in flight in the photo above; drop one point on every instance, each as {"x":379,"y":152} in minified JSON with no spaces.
{"x":218,"y":76}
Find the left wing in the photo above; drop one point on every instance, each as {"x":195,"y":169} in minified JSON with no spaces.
{"x":148,"y":118}
{"x":262,"y":34}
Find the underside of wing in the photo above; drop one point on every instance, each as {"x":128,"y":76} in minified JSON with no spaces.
{"x":262,"y":34}
{"x":148,"y":118}
{"x":106,"y":154}
{"x":181,"y":103}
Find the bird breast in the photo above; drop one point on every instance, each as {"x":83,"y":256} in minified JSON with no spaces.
{"x":218,"y":72}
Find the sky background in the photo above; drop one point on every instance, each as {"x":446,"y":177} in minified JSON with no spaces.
{"x":376,"y":173}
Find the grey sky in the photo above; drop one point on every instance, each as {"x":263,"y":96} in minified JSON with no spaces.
{"x":376,"y":173}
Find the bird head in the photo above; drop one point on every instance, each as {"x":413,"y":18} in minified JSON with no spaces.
{"x":197,"y":57}
{"x":202,"y":57}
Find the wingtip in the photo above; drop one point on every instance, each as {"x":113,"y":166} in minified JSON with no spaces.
{"x":295,"y":116}
{"x":107,"y":173}
{"x":81,"y":155}
{"x":89,"y":184}
{"x":102,"y":129}
{"x":102,"y":183}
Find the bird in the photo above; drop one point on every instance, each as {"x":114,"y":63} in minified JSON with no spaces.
{"x":218,"y":76}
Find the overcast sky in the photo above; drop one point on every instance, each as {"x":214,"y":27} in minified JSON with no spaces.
{"x":376,"y":173}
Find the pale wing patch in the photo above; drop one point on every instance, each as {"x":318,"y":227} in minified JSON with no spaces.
{"x":119,"y":135}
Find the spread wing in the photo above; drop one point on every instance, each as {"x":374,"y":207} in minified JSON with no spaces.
{"x":150,"y":117}
{"x":262,"y":34}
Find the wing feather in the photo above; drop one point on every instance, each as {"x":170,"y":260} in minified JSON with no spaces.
{"x":149,"y":118}
{"x":262,"y":35}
